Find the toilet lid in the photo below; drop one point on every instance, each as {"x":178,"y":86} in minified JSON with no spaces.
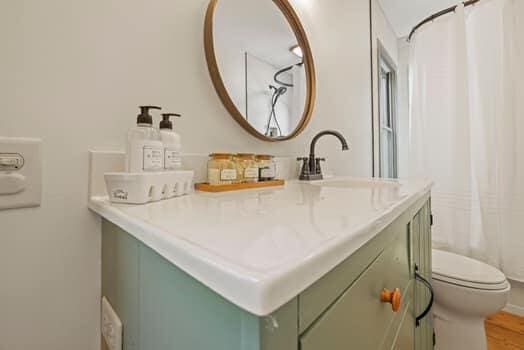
{"x":466,"y":272}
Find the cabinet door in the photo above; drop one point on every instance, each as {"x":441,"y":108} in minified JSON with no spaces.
{"x":405,"y":336}
{"x":422,"y":251}
{"x":358,"y":319}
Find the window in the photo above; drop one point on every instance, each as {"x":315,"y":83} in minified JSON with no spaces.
{"x":387,"y":116}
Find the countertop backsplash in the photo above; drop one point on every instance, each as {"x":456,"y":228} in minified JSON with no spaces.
{"x":101,"y":162}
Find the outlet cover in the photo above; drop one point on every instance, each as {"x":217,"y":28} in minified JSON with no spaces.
{"x":111,"y":326}
{"x":20,"y":172}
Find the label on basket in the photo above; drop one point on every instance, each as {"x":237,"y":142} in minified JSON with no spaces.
{"x":172,"y":159}
{"x":120,"y":194}
{"x":153,"y":158}
{"x":251,"y":173}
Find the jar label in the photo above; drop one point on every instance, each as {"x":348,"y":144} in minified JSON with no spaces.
{"x":153,"y":158}
{"x":228,"y":174}
{"x":267,"y":173}
{"x":250,"y":173}
{"x":172,"y":159}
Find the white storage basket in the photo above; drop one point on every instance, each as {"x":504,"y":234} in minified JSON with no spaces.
{"x":141,"y":188}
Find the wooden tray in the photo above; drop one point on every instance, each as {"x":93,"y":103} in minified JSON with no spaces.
{"x":205,"y":187}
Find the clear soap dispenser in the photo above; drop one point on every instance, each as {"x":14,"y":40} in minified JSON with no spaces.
{"x":172,"y":143}
{"x":144,"y":151}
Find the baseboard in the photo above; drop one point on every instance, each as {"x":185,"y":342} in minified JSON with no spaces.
{"x":515,"y":310}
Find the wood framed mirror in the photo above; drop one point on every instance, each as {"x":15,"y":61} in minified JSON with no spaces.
{"x":261,"y":65}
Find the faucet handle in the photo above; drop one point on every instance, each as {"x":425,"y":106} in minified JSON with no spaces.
{"x":305,"y":162}
{"x":318,"y":167}
{"x":305,"y":166}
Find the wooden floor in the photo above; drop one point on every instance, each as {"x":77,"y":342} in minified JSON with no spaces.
{"x":505,"y":332}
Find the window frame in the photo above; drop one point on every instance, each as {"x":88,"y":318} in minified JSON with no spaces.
{"x":385,"y":60}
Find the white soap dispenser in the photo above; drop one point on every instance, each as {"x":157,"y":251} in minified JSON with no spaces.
{"x":145,"y":152}
{"x":172,"y":143}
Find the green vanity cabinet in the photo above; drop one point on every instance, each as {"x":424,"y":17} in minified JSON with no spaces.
{"x":163,"y":308}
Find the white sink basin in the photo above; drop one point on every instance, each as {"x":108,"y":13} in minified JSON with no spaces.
{"x":357,"y":183}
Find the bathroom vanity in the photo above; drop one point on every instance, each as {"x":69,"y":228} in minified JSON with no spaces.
{"x":299,"y":267}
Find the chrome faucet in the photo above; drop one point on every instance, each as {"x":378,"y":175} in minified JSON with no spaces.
{"x":311,"y":168}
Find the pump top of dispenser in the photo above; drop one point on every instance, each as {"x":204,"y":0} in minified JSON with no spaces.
{"x":145,"y":117}
{"x":166,"y":123}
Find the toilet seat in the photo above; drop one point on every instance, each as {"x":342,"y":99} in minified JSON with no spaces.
{"x":466,"y":272}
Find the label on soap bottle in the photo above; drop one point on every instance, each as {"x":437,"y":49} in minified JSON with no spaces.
{"x":153,"y":158}
{"x":172,"y":159}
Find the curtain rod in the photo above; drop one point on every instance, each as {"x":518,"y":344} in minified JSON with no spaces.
{"x":438,"y":14}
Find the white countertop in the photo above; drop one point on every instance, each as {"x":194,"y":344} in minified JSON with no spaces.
{"x":261,"y":248}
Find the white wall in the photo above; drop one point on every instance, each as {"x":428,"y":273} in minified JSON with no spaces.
{"x":516,"y":298}
{"x":73,"y":73}
{"x":382,"y":32}
{"x":403,"y":108}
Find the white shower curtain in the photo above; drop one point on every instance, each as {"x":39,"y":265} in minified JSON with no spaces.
{"x":466,"y":121}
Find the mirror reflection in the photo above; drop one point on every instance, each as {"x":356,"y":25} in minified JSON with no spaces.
{"x":261,"y":65}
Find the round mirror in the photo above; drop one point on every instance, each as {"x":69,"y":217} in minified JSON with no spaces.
{"x":261,"y":65}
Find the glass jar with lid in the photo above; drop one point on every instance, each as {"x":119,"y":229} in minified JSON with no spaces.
{"x":221,"y":169}
{"x":247,"y":167}
{"x":266,"y":167}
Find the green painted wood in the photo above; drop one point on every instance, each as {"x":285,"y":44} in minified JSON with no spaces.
{"x":421,"y":233}
{"x":164,"y":308}
{"x":406,"y":333}
{"x":280,"y":330}
{"x":316,"y":299}
{"x":358,"y":319}
{"x":416,"y":237}
{"x":323,"y":293}
{"x":397,"y":325}
{"x":178,"y":311}
{"x":427,"y":269}
{"x":120,"y":279}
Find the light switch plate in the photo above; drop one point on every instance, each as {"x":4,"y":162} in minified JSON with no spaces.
{"x":20,"y":172}
{"x":111,"y":326}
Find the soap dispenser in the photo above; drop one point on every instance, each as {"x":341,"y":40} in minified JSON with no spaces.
{"x":145,"y":151}
{"x":172,"y":143}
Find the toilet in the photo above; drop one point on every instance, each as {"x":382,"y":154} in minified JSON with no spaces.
{"x":467,"y":291}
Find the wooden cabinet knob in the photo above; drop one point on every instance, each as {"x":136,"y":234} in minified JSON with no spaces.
{"x":393,"y":297}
